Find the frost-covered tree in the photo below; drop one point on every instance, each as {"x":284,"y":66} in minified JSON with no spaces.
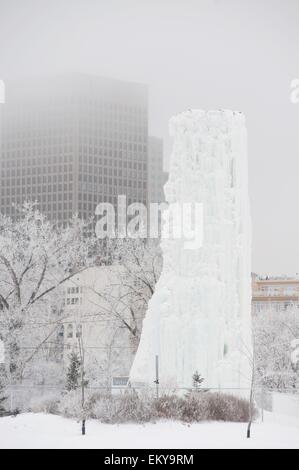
{"x":2,"y":401}
{"x":3,"y":398}
{"x":141,"y":263}
{"x":274,"y":333}
{"x":73,"y":373}
{"x":36,"y":259}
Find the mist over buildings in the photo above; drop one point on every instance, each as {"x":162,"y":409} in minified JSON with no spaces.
{"x":193,"y":54}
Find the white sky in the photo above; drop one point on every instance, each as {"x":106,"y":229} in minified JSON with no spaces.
{"x":239,"y":54}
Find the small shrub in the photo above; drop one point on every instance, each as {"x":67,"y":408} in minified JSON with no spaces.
{"x":70,"y":405}
{"x":169,"y":407}
{"x":132,"y":407}
{"x":48,"y":405}
{"x":224,"y":407}
{"x":124,"y":408}
{"x":3,"y":399}
{"x":105,"y":409}
{"x":195,"y":408}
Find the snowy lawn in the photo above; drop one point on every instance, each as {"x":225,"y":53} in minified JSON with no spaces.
{"x":48,"y":431}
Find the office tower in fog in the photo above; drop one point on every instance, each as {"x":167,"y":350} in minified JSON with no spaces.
{"x":157,"y":177}
{"x":72,"y":142}
{"x":2,"y":101}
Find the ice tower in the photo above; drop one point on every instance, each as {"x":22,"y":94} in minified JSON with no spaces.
{"x":199,"y":318}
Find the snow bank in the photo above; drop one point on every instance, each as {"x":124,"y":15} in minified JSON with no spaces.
{"x":39,"y":431}
{"x":286,"y":404}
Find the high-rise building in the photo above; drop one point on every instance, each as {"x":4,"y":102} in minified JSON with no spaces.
{"x":157,"y":177}
{"x":72,"y":142}
{"x":2,"y":101}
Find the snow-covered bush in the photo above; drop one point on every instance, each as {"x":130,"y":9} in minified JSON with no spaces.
{"x":207,"y":406}
{"x":195,"y":408}
{"x":169,"y":407}
{"x":131,"y":407}
{"x":47,"y":404}
{"x":3,"y":398}
{"x":127,"y":407}
{"x":225,"y":407}
{"x":134,"y":408}
{"x":70,"y":405}
{"x":103,"y":407}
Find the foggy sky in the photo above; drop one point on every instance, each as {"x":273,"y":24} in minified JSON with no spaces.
{"x":239,"y":54}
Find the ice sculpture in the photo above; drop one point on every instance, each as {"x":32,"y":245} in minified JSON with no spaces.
{"x":199,"y":318}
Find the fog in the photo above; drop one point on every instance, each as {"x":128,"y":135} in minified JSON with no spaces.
{"x":193,"y":53}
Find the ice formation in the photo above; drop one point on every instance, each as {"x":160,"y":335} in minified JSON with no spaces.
{"x":199,"y":318}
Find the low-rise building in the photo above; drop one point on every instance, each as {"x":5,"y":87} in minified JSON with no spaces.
{"x":274,"y":293}
{"x":97,"y":317}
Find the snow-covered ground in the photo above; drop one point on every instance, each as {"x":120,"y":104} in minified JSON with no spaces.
{"x":48,"y":431}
